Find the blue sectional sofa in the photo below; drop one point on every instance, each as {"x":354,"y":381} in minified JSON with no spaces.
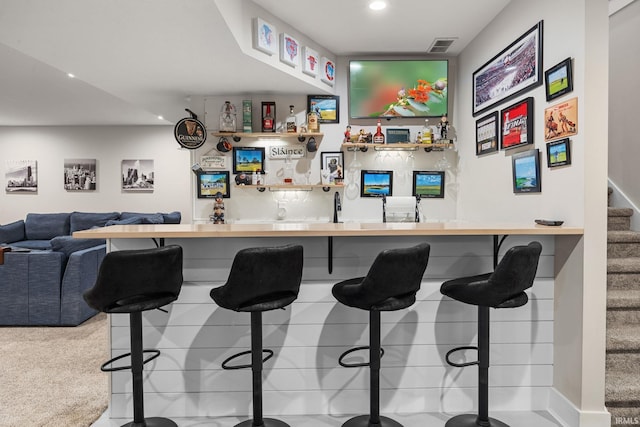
{"x":46,"y":270}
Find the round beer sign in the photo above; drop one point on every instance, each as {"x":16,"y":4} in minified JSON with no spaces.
{"x":190,"y":133}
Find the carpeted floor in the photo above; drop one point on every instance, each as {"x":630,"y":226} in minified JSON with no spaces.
{"x":50,"y":376}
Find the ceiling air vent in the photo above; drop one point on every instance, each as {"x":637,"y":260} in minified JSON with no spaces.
{"x":441,"y":45}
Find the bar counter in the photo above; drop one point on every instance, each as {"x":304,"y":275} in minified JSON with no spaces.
{"x":304,"y":377}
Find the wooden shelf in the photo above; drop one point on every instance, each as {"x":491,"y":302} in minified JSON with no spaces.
{"x":402,"y":146}
{"x":270,"y":135}
{"x":291,"y":187}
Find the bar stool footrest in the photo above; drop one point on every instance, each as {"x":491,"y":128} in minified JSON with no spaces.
{"x":103,"y":368}
{"x":461,"y":365}
{"x":153,"y":422}
{"x":354,"y":349}
{"x":266,"y":422}
{"x":364,"y":421}
{"x":471,"y":420}
{"x":243,"y":353}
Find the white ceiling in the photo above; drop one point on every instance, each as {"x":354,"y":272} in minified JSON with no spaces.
{"x":135,"y":60}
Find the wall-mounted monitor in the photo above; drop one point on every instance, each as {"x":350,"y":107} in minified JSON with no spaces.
{"x":428,"y":184}
{"x":376,"y":183}
{"x":212,"y":183}
{"x":398,"y":88}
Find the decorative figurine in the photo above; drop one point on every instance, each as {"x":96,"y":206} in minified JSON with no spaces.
{"x":443,"y":126}
{"x":347,"y":134}
{"x":218,"y":210}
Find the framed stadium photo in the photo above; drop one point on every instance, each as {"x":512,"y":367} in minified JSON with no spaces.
{"x":512,"y":72}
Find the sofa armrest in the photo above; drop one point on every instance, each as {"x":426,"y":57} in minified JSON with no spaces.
{"x":13,"y":232}
{"x":80,"y":275}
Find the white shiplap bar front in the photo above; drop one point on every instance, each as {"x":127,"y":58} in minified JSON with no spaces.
{"x":304,"y":376}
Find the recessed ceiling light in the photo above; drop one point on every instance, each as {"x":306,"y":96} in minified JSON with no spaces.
{"x":377,"y":5}
{"x":71,"y":76}
{"x":160,"y":118}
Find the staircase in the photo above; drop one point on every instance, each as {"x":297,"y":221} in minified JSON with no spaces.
{"x":622,"y":394}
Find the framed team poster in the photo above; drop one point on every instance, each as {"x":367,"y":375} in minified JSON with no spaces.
{"x":289,"y":50}
{"x":487,"y":134}
{"x":516,"y":124}
{"x":266,"y":39}
{"x":310,"y":61}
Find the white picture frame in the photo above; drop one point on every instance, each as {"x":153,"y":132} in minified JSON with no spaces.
{"x":289,"y":50}
{"x":310,"y":61}
{"x":266,"y":39}
{"x":328,"y":71}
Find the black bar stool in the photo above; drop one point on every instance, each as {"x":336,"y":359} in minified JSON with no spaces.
{"x":260,"y":279}
{"x":391,"y":284}
{"x":134,"y":281}
{"x":504,"y":288}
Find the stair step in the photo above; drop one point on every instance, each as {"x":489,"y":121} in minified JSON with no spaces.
{"x":623,"y":338}
{"x":623,"y":265}
{"x":623,"y":316}
{"x":623,"y":281}
{"x":623,"y":299}
{"x":623,"y":236}
{"x":619,"y":212}
{"x":622,"y":380}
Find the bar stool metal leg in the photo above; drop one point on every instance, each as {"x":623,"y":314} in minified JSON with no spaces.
{"x":137,"y":367}
{"x":482,"y":418}
{"x":373,"y":419}
{"x":256,"y":368}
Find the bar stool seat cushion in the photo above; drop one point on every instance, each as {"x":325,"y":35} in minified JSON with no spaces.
{"x":261,"y":279}
{"x":350,"y":293}
{"x":137,"y":280}
{"x":504,"y":288}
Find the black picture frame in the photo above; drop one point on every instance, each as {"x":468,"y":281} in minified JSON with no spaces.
{"x":526,"y":171}
{"x":327,"y":107}
{"x":328,"y":158}
{"x":558,"y":80}
{"x":210,"y":183}
{"x":428,"y":184}
{"x":495,"y":82}
{"x":559,"y":153}
{"x":248,"y":159}
{"x":487,"y":134}
{"x":376,"y":183}
{"x":516,"y":124}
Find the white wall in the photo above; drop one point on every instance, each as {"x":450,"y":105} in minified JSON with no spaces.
{"x":50,"y":146}
{"x":624,"y":89}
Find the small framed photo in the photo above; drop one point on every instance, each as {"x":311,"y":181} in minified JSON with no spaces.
{"x":212,"y":183}
{"x":248,"y":159}
{"x":80,"y":174}
{"x":266,"y":38}
{"x":487,"y":134}
{"x":138,"y":175}
{"x":326,"y":106}
{"x":429,"y":184}
{"x":374,"y":183}
{"x":289,"y":50}
{"x":327,"y":71}
{"x":558,"y":153}
{"x":558,"y":80}
{"x":333,"y":162}
{"x":526,"y":172}
{"x":516,"y":122}
{"x":310,"y":61}
{"x":561,"y":120}
{"x":398,"y":136}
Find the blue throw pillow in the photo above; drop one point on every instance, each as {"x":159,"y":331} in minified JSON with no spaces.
{"x":87,"y":220}
{"x":172,"y":217}
{"x":46,"y":226}
{"x":68,"y":245}
{"x":13,"y":232}
{"x":132,"y":220}
{"x":147,"y":218}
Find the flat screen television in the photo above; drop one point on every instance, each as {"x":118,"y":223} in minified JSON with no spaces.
{"x":398,"y":88}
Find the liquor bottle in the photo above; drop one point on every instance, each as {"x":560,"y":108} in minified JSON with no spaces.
{"x":378,"y":138}
{"x":426,"y":133}
{"x":267,"y":120}
{"x":291,"y":124}
{"x":228,"y":117}
{"x":312,"y":119}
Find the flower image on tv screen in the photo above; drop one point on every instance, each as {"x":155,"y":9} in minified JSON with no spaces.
{"x":398,"y":88}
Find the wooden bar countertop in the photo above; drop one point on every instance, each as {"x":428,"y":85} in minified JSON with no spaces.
{"x":291,"y":229}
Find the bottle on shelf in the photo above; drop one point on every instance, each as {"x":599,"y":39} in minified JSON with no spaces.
{"x":291,"y":124}
{"x":378,"y":138}
{"x":426,"y":133}
{"x":313,"y":125}
{"x":268,"y":122}
{"x":228,"y":117}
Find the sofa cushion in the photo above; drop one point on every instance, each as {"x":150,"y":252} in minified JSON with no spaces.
{"x":132,"y":220}
{"x":35,"y":245}
{"x":12,"y":232}
{"x":172,"y":217}
{"x":68,"y":245}
{"x":46,"y":226}
{"x":86,"y":220}
{"x":147,"y":218}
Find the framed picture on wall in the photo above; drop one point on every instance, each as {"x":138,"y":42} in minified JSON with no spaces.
{"x":561,"y":120}
{"x":558,"y":153}
{"x":248,"y":159}
{"x":21,"y":176}
{"x":212,"y":183}
{"x":326,"y":106}
{"x":487,"y":134}
{"x":138,"y":175}
{"x":79,"y":174}
{"x":512,"y":72}
{"x":526,"y":172}
{"x":375,"y":183}
{"x":558,"y":80}
{"x":516,"y":123}
{"x":429,"y":184}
